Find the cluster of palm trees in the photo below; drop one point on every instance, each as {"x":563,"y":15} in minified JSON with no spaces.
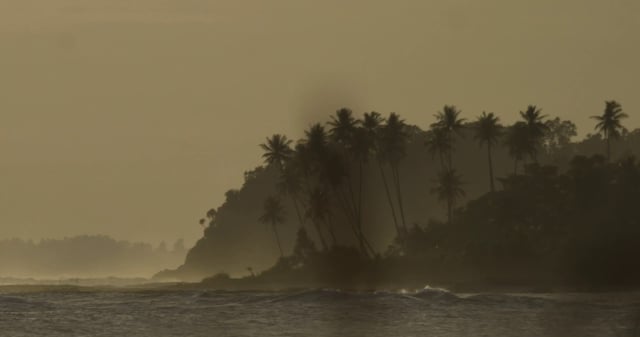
{"x":324,"y":171}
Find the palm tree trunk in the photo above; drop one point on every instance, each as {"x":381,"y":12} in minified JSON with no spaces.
{"x":450,"y":151}
{"x":491,"y":183}
{"x":329,"y":225}
{"x":449,"y":210}
{"x":320,"y":236}
{"x":396,"y":174}
{"x":608,"y":148}
{"x":275,"y":231}
{"x":386,"y":188}
{"x":295,"y":205}
{"x":515,"y":166}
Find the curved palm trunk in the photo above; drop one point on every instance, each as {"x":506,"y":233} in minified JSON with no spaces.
{"x":491,"y":181}
{"x":275,"y":231}
{"x":396,"y":175}
{"x":329,"y":224}
{"x":386,"y":188}
{"x":351,"y":215}
{"x":323,"y":242}
{"x":295,"y":205}
{"x":449,"y":210}
{"x":608,"y":147}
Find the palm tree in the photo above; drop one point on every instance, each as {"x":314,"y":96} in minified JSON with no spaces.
{"x":277,"y":150}
{"x":449,"y":120}
{"x":488,"y":130}
{"x":518,"y":144}
{"x":438,"y":143}
{"x":609,"y":123}
{"x":319,"y":211}
{"x":392,"y":147}
{"x":290,"y":184}
{"x":449,"y":190}
{"x":343,"y":126}
{"x":536,"y":128}
{"x":273,"y":215}
{"x":372,"y":123}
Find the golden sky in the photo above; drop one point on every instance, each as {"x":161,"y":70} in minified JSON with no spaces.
{"x":131,"y":118}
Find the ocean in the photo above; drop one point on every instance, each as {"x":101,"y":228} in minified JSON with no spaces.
{"x":427,"y":312}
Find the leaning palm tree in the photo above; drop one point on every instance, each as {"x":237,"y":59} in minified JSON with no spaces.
{"x":393,"y":142}
{"x":277,"y":150}
{"x":609,"y":123}
{"x":449,"y":190}
{"x":290,"y":183}
{"x":488,"y":131}
{"x":449,"y":120}
{"x":438,"y":143}
{"x":319,"y":211}
{"x":372,"y":123}
{"x":536,"y":128}
{"x":273,"y":216}
{"x":343,"y":132}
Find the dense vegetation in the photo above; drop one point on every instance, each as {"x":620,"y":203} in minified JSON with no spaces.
{"x":355,"y":202}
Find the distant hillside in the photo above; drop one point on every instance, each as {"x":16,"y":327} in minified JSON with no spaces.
{"x":85,"y":257}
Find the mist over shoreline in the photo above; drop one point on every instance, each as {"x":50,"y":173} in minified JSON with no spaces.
{"x":86,"y":257}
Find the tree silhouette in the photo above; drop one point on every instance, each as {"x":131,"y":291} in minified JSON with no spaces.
{"x":392,"y":148}
{"x":449,"y":190}
{"x":319,"y":211}
{"x":610,"y":123}
{"x":273,"y":215}
{"x":290,"y":184}
{"x":450,"y":122}
{"x":277,"y":150}
{"x":353,"y":142}
{"x":518,"y":144}
{"x":373,"y":124}
{"x":438,"y":143}
{"x":488,"y":131}
{"x":536,"y":128}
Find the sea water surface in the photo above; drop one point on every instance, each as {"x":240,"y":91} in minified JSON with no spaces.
{"x":428,"y":312}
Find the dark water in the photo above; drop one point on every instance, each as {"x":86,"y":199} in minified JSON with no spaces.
{"x":429,"y":312}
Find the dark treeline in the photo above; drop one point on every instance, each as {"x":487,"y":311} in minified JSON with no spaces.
{"x":85,"y":257}
{"x":375,"y":198}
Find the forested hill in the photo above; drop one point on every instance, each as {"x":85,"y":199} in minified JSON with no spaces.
{"x":363,"y":181}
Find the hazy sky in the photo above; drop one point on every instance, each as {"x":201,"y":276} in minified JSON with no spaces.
{"x":131,"y":118}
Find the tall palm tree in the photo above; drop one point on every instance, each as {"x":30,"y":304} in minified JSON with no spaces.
{"x":609,"y":123}
{"x":290,"y":184}
{"x":449,"y":120}
{"x":277,"y":150}
{"x":273,"y":216}
{"x":372,"y":123}
{"x":319,"y":211}
{"x":343,"y":126}
{"x":343,"y":132}
{"x":449,"y":190}
{"x":518,"y":143}
{"x":536,"y":128}
{"x":393,"y":142}
{"x":438,"y":143}
{"x":488,"y":131}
